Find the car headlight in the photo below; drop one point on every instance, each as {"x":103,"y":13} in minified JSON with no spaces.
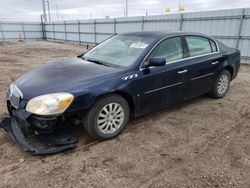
{"x":50,"y":104}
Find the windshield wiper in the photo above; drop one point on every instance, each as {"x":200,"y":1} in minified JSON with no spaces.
{"x":97,"y":62}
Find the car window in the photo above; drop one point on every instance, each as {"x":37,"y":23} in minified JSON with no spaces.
{"x":169,"y":49}
{"x":119,"y":51}
{"x":213,"y":46}
{"x":198,"y":45}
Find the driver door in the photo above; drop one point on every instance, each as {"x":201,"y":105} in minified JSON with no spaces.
{"x":166,"y":84}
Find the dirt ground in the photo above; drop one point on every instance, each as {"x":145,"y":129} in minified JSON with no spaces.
{"x":201,"y":143}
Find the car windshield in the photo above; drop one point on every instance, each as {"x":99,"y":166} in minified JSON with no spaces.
{"x":118,"y":51}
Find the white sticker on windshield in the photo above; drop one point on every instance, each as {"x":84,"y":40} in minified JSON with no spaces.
{"x":139,"y":45}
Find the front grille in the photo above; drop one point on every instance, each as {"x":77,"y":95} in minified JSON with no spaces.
{"x":15,"y":96}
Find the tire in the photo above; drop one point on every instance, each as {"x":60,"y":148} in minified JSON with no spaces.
{"x":101,"y":123}
{"x":221,"y":85}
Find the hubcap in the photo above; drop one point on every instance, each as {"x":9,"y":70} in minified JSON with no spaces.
{"x":110,"y":118}
{"x":223,"y":84}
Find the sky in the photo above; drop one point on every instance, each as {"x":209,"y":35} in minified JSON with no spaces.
{"x":31,"y":10}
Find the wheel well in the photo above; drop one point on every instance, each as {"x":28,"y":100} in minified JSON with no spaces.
{"x":128,"y":98}
{"x":231,"y":70}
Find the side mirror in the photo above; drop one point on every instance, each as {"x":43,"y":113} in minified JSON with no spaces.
{"x":155,"y":62}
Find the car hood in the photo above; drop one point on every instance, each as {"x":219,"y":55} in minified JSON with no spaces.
{"x":68,"y":75}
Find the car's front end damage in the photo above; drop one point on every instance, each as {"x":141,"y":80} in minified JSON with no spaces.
{"x":35,"y":133}
{"x":45,"y":102}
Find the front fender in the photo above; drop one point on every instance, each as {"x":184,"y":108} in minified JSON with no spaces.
{"x":128,"y":88}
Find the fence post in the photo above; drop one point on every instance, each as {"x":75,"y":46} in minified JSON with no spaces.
{"x":54,"y":37}
{"x":79,"y":32}
{"x":95,"y":33}
{"x":65,"y":30}
{"x":114,"y":26}
{"x":43,"y":28}
{"x":181,"y":21}
{"x":1,"y":30}
{"x":24,"y":36}
{"x":142,"y":23}
{"x":240,"y":28}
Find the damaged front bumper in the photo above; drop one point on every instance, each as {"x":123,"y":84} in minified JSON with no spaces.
{"x":26,"y":136}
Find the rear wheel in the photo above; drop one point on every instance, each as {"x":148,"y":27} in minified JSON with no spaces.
{"x":107,"y":118}
{"x":221,"y":85}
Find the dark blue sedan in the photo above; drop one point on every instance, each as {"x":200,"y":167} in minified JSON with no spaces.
{"x":127,"y":75}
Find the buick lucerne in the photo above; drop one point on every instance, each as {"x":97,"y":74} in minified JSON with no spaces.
{"x":125,"y":76}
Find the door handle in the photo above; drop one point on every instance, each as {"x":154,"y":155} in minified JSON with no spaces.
{"x":215,"y":62}
{"x":182,"y":71}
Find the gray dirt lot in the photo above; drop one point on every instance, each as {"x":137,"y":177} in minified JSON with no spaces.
{"x":201,"y":143}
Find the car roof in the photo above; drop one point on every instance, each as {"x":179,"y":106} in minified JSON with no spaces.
{"x":162,"y":34}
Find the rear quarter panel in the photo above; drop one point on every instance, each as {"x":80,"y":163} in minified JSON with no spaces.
{"x":232,"y":58}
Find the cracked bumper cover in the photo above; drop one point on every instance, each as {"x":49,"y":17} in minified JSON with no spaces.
{"x":53,"y":142}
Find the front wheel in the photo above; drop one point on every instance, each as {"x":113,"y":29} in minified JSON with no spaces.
{"x":221,"y":85}
{"x":107,"y":118}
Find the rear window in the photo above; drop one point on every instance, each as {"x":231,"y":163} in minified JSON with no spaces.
{"x":198,"y":45}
